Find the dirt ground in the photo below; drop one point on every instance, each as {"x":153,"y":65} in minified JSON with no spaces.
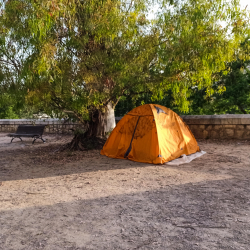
{"x":53,"y":201}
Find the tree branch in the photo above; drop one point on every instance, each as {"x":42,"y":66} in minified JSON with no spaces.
{"x":241,"y":109}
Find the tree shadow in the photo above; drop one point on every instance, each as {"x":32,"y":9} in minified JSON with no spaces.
{"x":205,"y":215}
{"x":21,"y":165}
{"x":40,"y":162}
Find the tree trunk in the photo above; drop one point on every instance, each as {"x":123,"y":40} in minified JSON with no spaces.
{"x":109,"y":119}
{"x":101,"y":123}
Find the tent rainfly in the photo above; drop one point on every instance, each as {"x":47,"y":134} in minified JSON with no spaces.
{"x":150,"y":133}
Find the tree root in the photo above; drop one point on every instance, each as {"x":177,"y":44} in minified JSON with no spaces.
{"x":82,"y":142}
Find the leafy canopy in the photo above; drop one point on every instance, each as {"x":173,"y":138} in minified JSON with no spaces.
{"x":235,"y":97}
{"x":76,"y":56}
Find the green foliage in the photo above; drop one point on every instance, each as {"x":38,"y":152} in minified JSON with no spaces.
{"x":196,"y":46}
{"x":78,"y":55}
{"x":235,"y":99}
{"x":7,"y":108}
{"x":74,"y":57}
{"x":11,"y":107}
{"x":126,"y":103}
{"x":231,"y":95}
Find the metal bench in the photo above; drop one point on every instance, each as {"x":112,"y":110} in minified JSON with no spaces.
{"x":35,"y":132}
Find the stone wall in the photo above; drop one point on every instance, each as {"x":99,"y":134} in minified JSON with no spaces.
{"x":202,"y":126}
{"x":53,"y":125}
{"x":219,"y":126}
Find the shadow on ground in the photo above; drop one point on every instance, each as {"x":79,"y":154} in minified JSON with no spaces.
{"x":38,"y":163}
{"x":208,"y":215}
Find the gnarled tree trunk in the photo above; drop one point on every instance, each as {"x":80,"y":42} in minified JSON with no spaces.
{"x":100,"y":124}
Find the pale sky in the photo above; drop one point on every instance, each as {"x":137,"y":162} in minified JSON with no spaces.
{"x":244,"y":3}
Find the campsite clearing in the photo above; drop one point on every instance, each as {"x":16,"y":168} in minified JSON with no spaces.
{"x":82,"y":200}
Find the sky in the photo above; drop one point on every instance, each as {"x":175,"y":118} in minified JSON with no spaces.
{"x":244,"y":3}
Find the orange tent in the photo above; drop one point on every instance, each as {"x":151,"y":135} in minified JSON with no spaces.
{"x":150,"y":133}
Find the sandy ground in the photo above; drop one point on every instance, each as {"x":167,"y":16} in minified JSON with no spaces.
{"x":54,"y":201}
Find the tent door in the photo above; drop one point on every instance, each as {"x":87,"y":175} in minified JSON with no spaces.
{"x":130,"y":146}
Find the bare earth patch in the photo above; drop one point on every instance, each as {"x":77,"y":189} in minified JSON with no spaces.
{"x":82,"y":200}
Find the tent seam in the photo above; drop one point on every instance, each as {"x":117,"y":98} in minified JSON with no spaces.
{"x":150,"y":105}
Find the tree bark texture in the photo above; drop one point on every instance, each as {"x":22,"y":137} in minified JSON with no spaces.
{"x":100,"y":124}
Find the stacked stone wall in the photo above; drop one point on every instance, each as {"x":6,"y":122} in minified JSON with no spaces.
{"x":53,"y":126}
{"x":219,"y":126}
{"x":203,"y":126}
{"x":220,"y":131}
